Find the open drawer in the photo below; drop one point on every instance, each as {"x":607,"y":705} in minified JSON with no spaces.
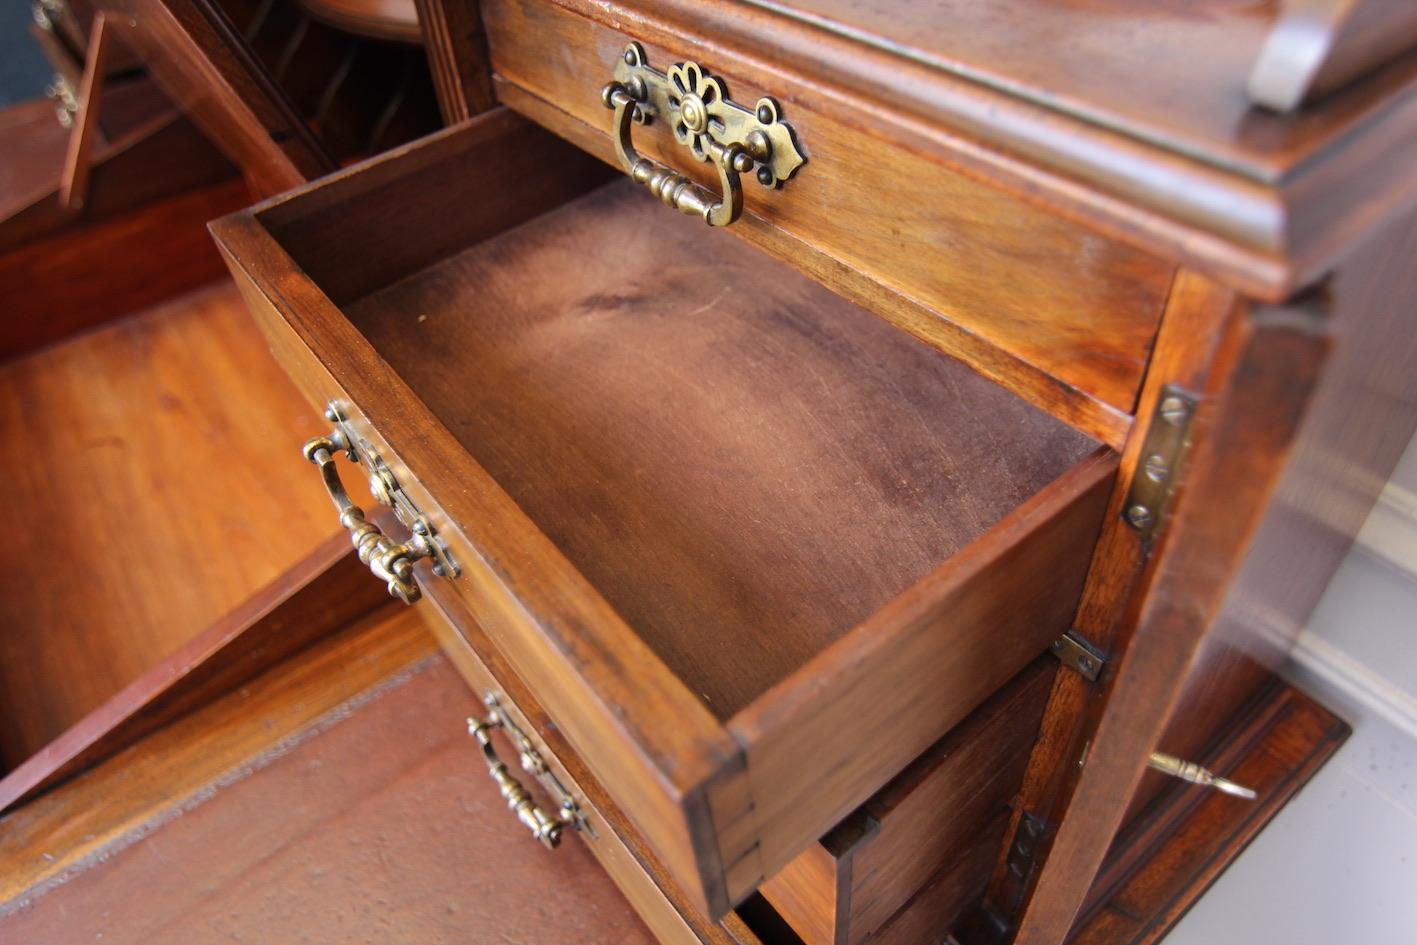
{"x":752,"y":548}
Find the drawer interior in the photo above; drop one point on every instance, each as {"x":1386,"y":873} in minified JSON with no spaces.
{"x":725,"y":523}
{"x":744,"y":465}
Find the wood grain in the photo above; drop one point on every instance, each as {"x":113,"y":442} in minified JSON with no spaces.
{"x":1196,"y":322}
{"x":322,"y":593}
{"x":144,"y":785}
{"x":845,"y":888}
{"x":1268,"y":204}
{"x":1031,"y":283}
{"x":378,"y":817}
{"x":681,"y":444}
{"x":683,"y":784}
{"x":147,"y":458}
{"x":916,"y":667}
{"x":393,"y":20}
{"x":1189,"y":838}
{"x":933,"y":912}
{"x":457,"y":58}
{"x":86,"y":275}
{"x":1364,"y":411}
{"x":1269,"y":365}
{"x":616,"y":844}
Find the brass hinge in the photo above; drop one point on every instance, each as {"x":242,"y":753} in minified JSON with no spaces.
{"x":1158,"y":469}
{"x":1023,"y":848}
{"x":1073,"y":650}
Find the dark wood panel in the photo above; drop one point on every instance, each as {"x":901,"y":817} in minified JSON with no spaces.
{"x":75,"y":280}
{"x":146,"y":460}
{"x":196,"y":53}
{"x":457,"y":57}
{"x":1255,"y":400}
{"x":715,"y":461}
{"x":845,"y":888}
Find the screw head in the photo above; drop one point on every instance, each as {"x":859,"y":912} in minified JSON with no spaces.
{"x":629,"y":57}
{"x":765,"y":113}
{"x":1174,"y":410}
{"x":1085,"y":663}
{"x":1139,"y":516}
{"x":1156,"y":468}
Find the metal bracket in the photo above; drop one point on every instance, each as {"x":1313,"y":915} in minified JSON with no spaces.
{"x":1078,"y":654}
{"x":1168,"y":437}
{"x":384,"y":486}
{"x":1023,"y":849}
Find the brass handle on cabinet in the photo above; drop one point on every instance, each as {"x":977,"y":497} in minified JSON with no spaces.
{"x":545,"y":828}
{"x":390,"y":561}
{"x":704,"y":120}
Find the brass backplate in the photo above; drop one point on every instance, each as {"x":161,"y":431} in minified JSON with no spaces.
{"x":1168,"y":437}
{"x":698,"y":110}
{"x":384,"y":486}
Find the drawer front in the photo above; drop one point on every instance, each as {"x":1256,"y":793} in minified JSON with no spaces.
{"x":959,"y":261}
{"x":843,"y":890}
{"x":723,"y":801}
{"x":615,"y":845}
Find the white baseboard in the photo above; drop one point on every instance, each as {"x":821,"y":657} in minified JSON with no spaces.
{"x":1342,"y":682}
{"x":1390,"y":532}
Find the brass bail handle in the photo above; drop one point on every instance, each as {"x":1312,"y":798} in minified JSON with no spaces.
{"x":713,"y":128}
{"x":390,"y":561}
{"x":545,"y":828}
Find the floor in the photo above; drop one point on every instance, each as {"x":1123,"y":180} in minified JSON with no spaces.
{"x":1339,"y":863}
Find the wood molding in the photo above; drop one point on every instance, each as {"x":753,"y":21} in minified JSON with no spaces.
{"x":1319,"y":45}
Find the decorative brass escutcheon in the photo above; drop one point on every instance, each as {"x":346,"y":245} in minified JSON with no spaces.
{"x":545,"y":828}
{"x":713,"y":128}
{"x":389,"y":561}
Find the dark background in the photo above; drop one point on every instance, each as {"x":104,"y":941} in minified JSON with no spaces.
{"x":24,"y":72}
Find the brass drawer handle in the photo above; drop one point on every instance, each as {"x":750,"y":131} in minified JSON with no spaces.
{"x":545,"y":828}
{"x":390,"y":561}
{"x":713,"y":128}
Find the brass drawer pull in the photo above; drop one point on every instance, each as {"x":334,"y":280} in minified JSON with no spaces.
{"x":713,"y":128}
{"x":390,"y":561}
{"x":545,"y":828}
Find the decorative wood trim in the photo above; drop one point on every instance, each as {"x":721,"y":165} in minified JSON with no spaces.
{"x":1319,"y":45}
{"x":457,"y":57}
